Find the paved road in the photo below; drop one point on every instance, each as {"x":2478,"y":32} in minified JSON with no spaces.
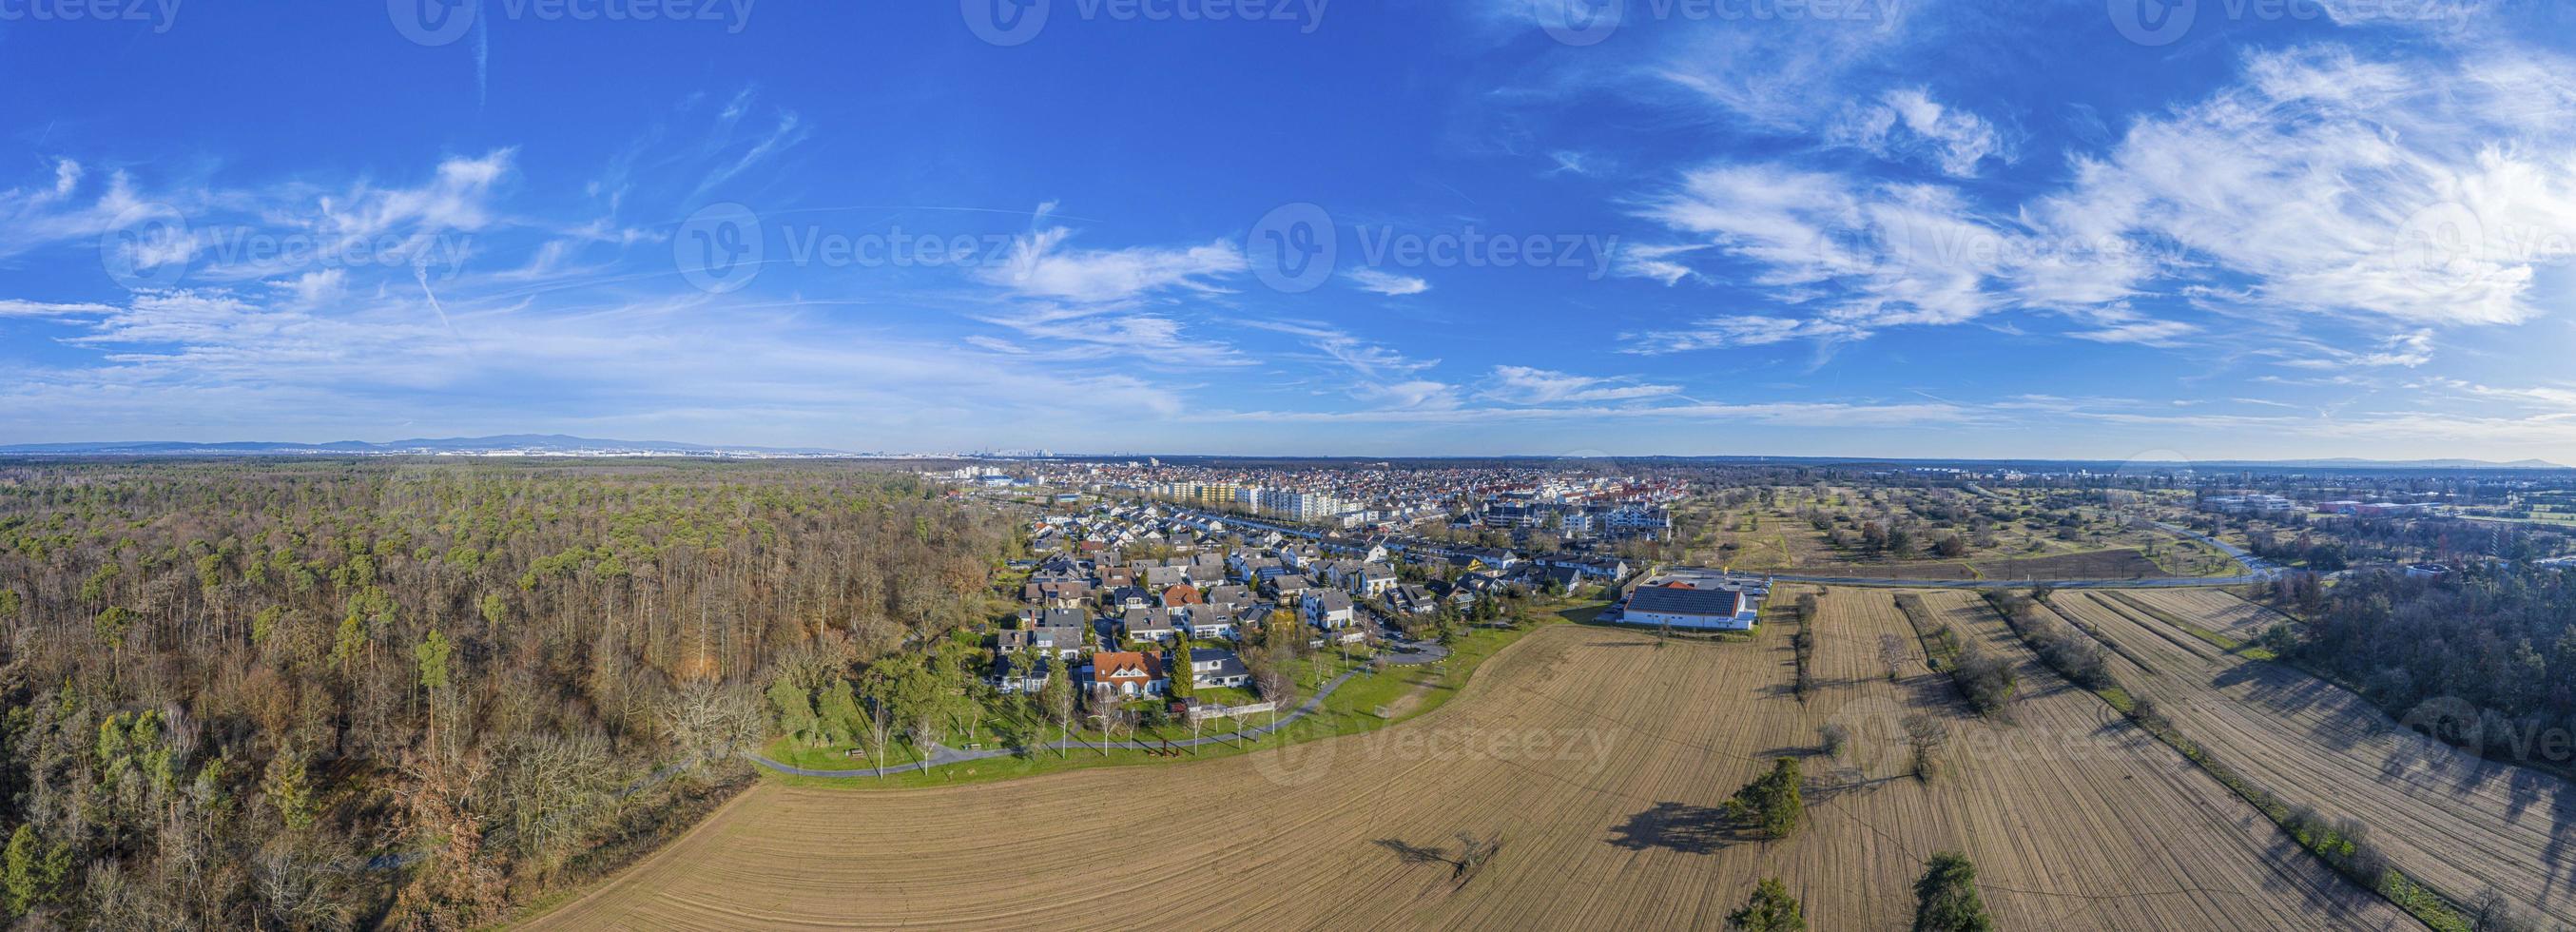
{"x":1397,"y":650}
{"x":945,"y":756}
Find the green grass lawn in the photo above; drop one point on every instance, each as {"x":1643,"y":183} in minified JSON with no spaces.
{"x":793,"y":753}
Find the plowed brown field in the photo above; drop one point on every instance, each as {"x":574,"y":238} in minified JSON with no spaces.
{"x":2453,"y":820}
{"x":1597,"y":756}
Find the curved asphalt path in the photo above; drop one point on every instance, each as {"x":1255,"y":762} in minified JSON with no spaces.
{"x":944,"y":756}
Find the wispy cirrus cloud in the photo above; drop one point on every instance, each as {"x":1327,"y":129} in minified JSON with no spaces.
{"x":17,"y":308}
{"x":2420,"y":193}
{"x":1862,"y":256}
{"x":1041,"y":265}
{"x":1734,"y":331}
{"x":1387,"y":283}
{"x":1525,"y":385}
{"x":2415,"y":191}
{"x":1907,"y":124}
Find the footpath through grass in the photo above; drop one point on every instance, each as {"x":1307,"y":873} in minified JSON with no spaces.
{"x":1407,"y":692}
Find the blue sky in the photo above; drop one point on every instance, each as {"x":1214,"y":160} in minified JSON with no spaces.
{"x":2141,"y":229}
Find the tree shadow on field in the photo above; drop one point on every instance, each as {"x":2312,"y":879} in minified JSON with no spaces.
{"x":1680,"y":827}
{"x":1411,"y":853}
{"x":1473,"y":853}
{"x":1847,"y":781}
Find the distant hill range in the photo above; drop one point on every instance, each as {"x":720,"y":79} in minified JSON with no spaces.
{"x":503,"y":445}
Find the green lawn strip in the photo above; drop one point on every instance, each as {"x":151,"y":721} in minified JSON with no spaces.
{"x":1940,"y":644}
{"x":836,"y":756}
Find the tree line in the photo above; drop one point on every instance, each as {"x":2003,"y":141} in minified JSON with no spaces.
{"x":327,"y":694}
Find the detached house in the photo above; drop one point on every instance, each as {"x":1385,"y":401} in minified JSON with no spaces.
{"x":1212,"y":621}
{"x":1126,"y":597}
{"x":1329,"y":609}
{"x":1247,"y":567}
{"x":1127,"y":673}
{"x":1413,"y":600}
{"x":1149,"y":624}
{"x":1056,"y":592}
{"x":1369,"y":582}
{"x":1215,"y":667}
{"x":1057,"y":631}
{"x":1023,"y":673}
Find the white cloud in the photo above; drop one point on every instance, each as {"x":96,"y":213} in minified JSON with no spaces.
{"x":16,"y":308}
{"x":1573,"y":162}
{"x":789,"y":131}
{"x":1865,"y":256}
{"x":1528,"y":386}
{"x":457,"y":198}
{"x":1097,"y":332}
{"x":2320,"y":184}
{"x":1784,"y":73}
{"x":184,"y":363}
{"x":1408,"y":395}
{"x":2411,"y":191}
{"x":1736,"y":331}
{"x":1658,"y":262}
{"x":1772,"y":414}
{"x":1040,"y":267}
{"x":315,"y":287}
{"x":1387,"y":283}
{"x":2149,"y":332}
{"x":1908,"y":124}
{"x":2406,"y":350}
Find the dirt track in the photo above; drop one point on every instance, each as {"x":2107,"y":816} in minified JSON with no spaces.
{"x":1596,"y":755}
{"x":2457,"y":822}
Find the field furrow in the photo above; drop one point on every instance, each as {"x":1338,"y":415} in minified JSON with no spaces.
{"x":2450,"y":819}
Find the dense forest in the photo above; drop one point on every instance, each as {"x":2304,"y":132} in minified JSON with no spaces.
{"x":2484,"y":658}
{"x":413,"y":694}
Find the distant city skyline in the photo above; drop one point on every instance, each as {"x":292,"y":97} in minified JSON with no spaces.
{"x":2135,"y":230}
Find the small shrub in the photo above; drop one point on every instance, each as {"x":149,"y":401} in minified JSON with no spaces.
{"x":1836,"y":739}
